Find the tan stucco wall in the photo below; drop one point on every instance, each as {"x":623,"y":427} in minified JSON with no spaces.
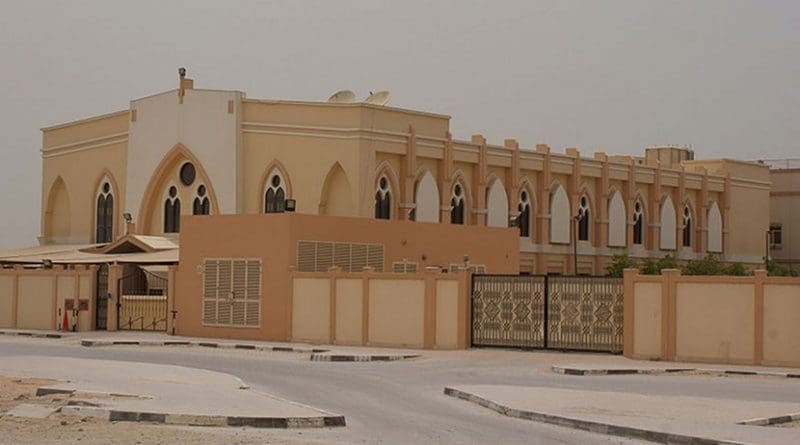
{"x":785,"y":211}
{"x":446,"y":314}
{"x":6,"y":301}
{"x":782,"y":324}
{"x":647,"y":320}
{"x":388,"y":299}
{"x":749,"y":213}
{"x":311,"y":309}
{"x":714,"y":322}
{"x":36,"y":305}
{"x":349,"y":311}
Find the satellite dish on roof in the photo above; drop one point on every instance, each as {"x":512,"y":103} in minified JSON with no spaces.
{"x":342,"y":97}
{"x":379,"y":98}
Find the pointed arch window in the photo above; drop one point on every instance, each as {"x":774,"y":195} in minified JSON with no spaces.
{"x":583,"y":219}
{"x":524,"y":218}
{"x":457,"y":203}
{"x":638,"y":224}
{"x":275,"y":195}
{"x":201,"y":206}
{"x":172,"y":211}
{"x":104,"y":226}
{"x":687,"y":227}
{"x":383,"y":200}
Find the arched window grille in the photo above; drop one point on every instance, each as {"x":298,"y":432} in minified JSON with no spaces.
{"x":172,"y":211}
{"x":383,"y":200}
{"x":275,"y":195}
{"x":638,"y":224}
{"x":201,"y":205}
{"x":524,"y":218}
{"x":457,"y":204}
{"x":104,"y":227}
{"x":687,"y":227}
{"x":583,"y":220}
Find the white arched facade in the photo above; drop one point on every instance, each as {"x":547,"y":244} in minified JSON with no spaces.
{"x":559,"y":216}
{"x":426,"y":197}
{"x":714,"y":228}
{"x":497,"y":205}
{"x":616,"y":220}
{"x":668,"y":225}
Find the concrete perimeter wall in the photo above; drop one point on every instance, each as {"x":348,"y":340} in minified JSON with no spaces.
{"x":423,"y":310}
{"x":714,"y":319}
{"x":36,"y":299}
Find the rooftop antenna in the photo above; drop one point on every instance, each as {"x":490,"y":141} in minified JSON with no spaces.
{"x":342,"y":97}
{"x":379,"y":98}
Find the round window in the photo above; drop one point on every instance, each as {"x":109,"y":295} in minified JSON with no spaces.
{"x":383,"y":183}
{"x":187,"y":173}
{"x":458,"y":190}
{"x":173,"y":192}
{"x":106,"y":187}
{"x":276,"y":181}
{"x":201,"y":191}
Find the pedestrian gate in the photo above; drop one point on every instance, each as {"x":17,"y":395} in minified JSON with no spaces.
{"x":555,"y":312}
{"x":142,"y":302}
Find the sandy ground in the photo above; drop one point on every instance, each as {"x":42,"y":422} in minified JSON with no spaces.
{"x":58,"y":429}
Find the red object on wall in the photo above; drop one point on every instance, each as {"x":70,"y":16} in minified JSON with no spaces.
{"x":65,"y":323}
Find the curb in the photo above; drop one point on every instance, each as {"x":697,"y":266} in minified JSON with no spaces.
{"x":766,"y":421}
{"x":203,"y":344}
{"x":653,"y":371}
{"x":32,"y":334}
{"x":586,"y":425}
{"x":359,"y":358}
{"x":203,"y":420}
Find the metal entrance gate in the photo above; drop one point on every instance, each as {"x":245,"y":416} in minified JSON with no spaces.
{"x":556,"y":312}
{"x":142,"y":302}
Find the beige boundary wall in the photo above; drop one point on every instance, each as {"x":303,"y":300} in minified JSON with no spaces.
{"x":37,"y":299}
{"x":423,"y":310}
{"x":714,"y":319}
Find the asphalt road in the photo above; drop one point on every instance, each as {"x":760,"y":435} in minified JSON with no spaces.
{"x":403,"y":402}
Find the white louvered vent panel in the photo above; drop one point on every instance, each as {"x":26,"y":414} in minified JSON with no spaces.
{"x":455,"y":267}
{"x":341,"y":256}
{"x":412,"y":267}
{"x":210,"y":279}
{"x":358,"y":258}
{"x":253,"y":316}
{"x":225,"y":277}
{"x":239,"y":279}
{"x":210,"y":311}
{"x":224,"y":311}
{"x":375,"y":257}
{"x":306,"y":256}
{"x":324,"y":256}
{"x":238,"y":318}
{"x":254,"y":280}
{"x":398,"y":267}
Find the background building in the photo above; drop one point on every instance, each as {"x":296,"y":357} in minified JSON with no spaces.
{"x":785,"y":212}
{"x":194,"y":151}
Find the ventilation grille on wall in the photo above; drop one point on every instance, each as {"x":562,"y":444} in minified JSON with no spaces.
{"x":405,"y":267}
{"x":473,"y":268}
{"x":232,"y":292}
{"x":319,"y":256}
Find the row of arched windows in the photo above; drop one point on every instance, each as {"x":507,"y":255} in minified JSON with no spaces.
{"x":426,"y":200}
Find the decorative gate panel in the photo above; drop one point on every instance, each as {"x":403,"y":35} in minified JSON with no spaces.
{"x":508,"y":310}
{"x":585,"y":313}
{"x":581,"y":313}
{"x":101,"y":308}
{"x":142,"y":302}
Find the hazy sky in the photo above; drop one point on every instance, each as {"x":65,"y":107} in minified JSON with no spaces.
{"x":615,"y":76}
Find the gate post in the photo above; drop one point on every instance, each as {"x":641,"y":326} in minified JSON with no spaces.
{"x":114,"y":275}
{"x":171,"y":312}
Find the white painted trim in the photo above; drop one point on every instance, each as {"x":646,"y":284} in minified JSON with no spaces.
{"x":88,"y":147}
{"x":85,"y":141}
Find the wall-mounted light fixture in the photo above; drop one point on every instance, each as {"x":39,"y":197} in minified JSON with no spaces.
{"x":290,"y":205}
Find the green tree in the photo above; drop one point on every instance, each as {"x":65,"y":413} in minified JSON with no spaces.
{"x":710,"y":265}
{"x":651,"y":267}
{"x":618,"y":265}
{"x":735,"y":269}
{"x":780,"y":270}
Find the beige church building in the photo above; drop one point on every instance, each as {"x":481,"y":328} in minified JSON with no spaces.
{"x":191,"y":151}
